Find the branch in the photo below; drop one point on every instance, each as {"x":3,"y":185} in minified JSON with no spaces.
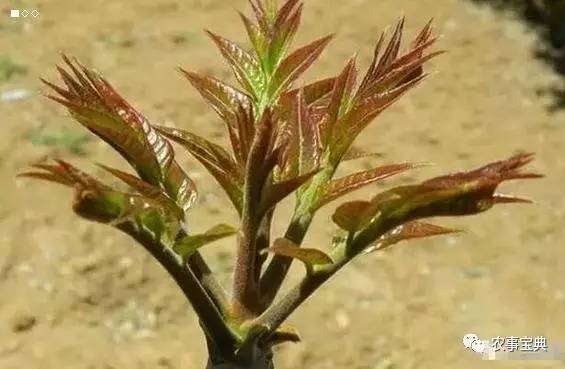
{"x":275,"y":274}
{"x":208,"y":313}
{"x":272,"y":279}
{"x":204,"y":275}
{"x":263,"y":242}
{"x":277,"y":313}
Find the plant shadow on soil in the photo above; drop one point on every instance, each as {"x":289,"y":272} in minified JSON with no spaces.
{"x":547,"y":17}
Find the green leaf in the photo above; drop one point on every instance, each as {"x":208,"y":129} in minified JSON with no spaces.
{"x":310,"y":257}
{"x":258,"y":39}
{"x":186,"y":246}
{"x":285,"y":27}
{"x":147,"y":190}
{"x":245,"y":66}
{"x":408,"y":231}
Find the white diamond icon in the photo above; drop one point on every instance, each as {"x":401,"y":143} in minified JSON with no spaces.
{"x":24,"y":13}
{"x":35,"y":13}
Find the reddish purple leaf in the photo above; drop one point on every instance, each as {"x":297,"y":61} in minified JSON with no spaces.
{"x":94,"y":103}
{"x":223,"y":98}
{"x":134,"y":182}
{"x":65,"y":174}
{"x":408,"y":231}
{"x":354,"y":153}
{"x":263,"y":157}
{"x":277,"y":191}
{"x":494,"y":173}
{"x":295,"y":64}
{"x":458,"y":194}
{"x":351,"y":215}
{"x":390,"y":75}
{"x":357,"y":119}
{"x":284,"y":12}
{"x":260,"y":14}
{"x":302,"y":146}
{"x":342,"y":186}
{"x":336,"y":99}
{"x":242,"y":135}
{"x":310,"y":257}
{"x":312,"y":92}
{"x":214,"y":158}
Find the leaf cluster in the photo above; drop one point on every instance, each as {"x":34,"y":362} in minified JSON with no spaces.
{"x":286,"y":137}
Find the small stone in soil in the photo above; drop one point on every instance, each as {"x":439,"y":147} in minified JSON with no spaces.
{"x":23,"y":322}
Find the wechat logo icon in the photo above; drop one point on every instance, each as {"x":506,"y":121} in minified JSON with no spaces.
{"x":471,"y":341}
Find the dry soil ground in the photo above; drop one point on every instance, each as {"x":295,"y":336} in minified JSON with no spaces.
{"x":76,"y":295}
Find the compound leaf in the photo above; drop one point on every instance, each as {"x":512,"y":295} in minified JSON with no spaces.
{"x":94,"y":103}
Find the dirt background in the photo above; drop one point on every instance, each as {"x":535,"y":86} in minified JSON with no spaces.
{"x":76,"y":295}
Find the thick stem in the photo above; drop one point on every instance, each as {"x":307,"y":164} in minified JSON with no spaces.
{"x":227,"y":365}
{"x":254,"y":357}
{"x":259,"y":165}
{"x":245,"y":290}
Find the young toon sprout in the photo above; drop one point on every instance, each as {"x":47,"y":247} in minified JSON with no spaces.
{"x":284,"y":141}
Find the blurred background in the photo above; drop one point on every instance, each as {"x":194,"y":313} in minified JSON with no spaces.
{"x":77,"y":295}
